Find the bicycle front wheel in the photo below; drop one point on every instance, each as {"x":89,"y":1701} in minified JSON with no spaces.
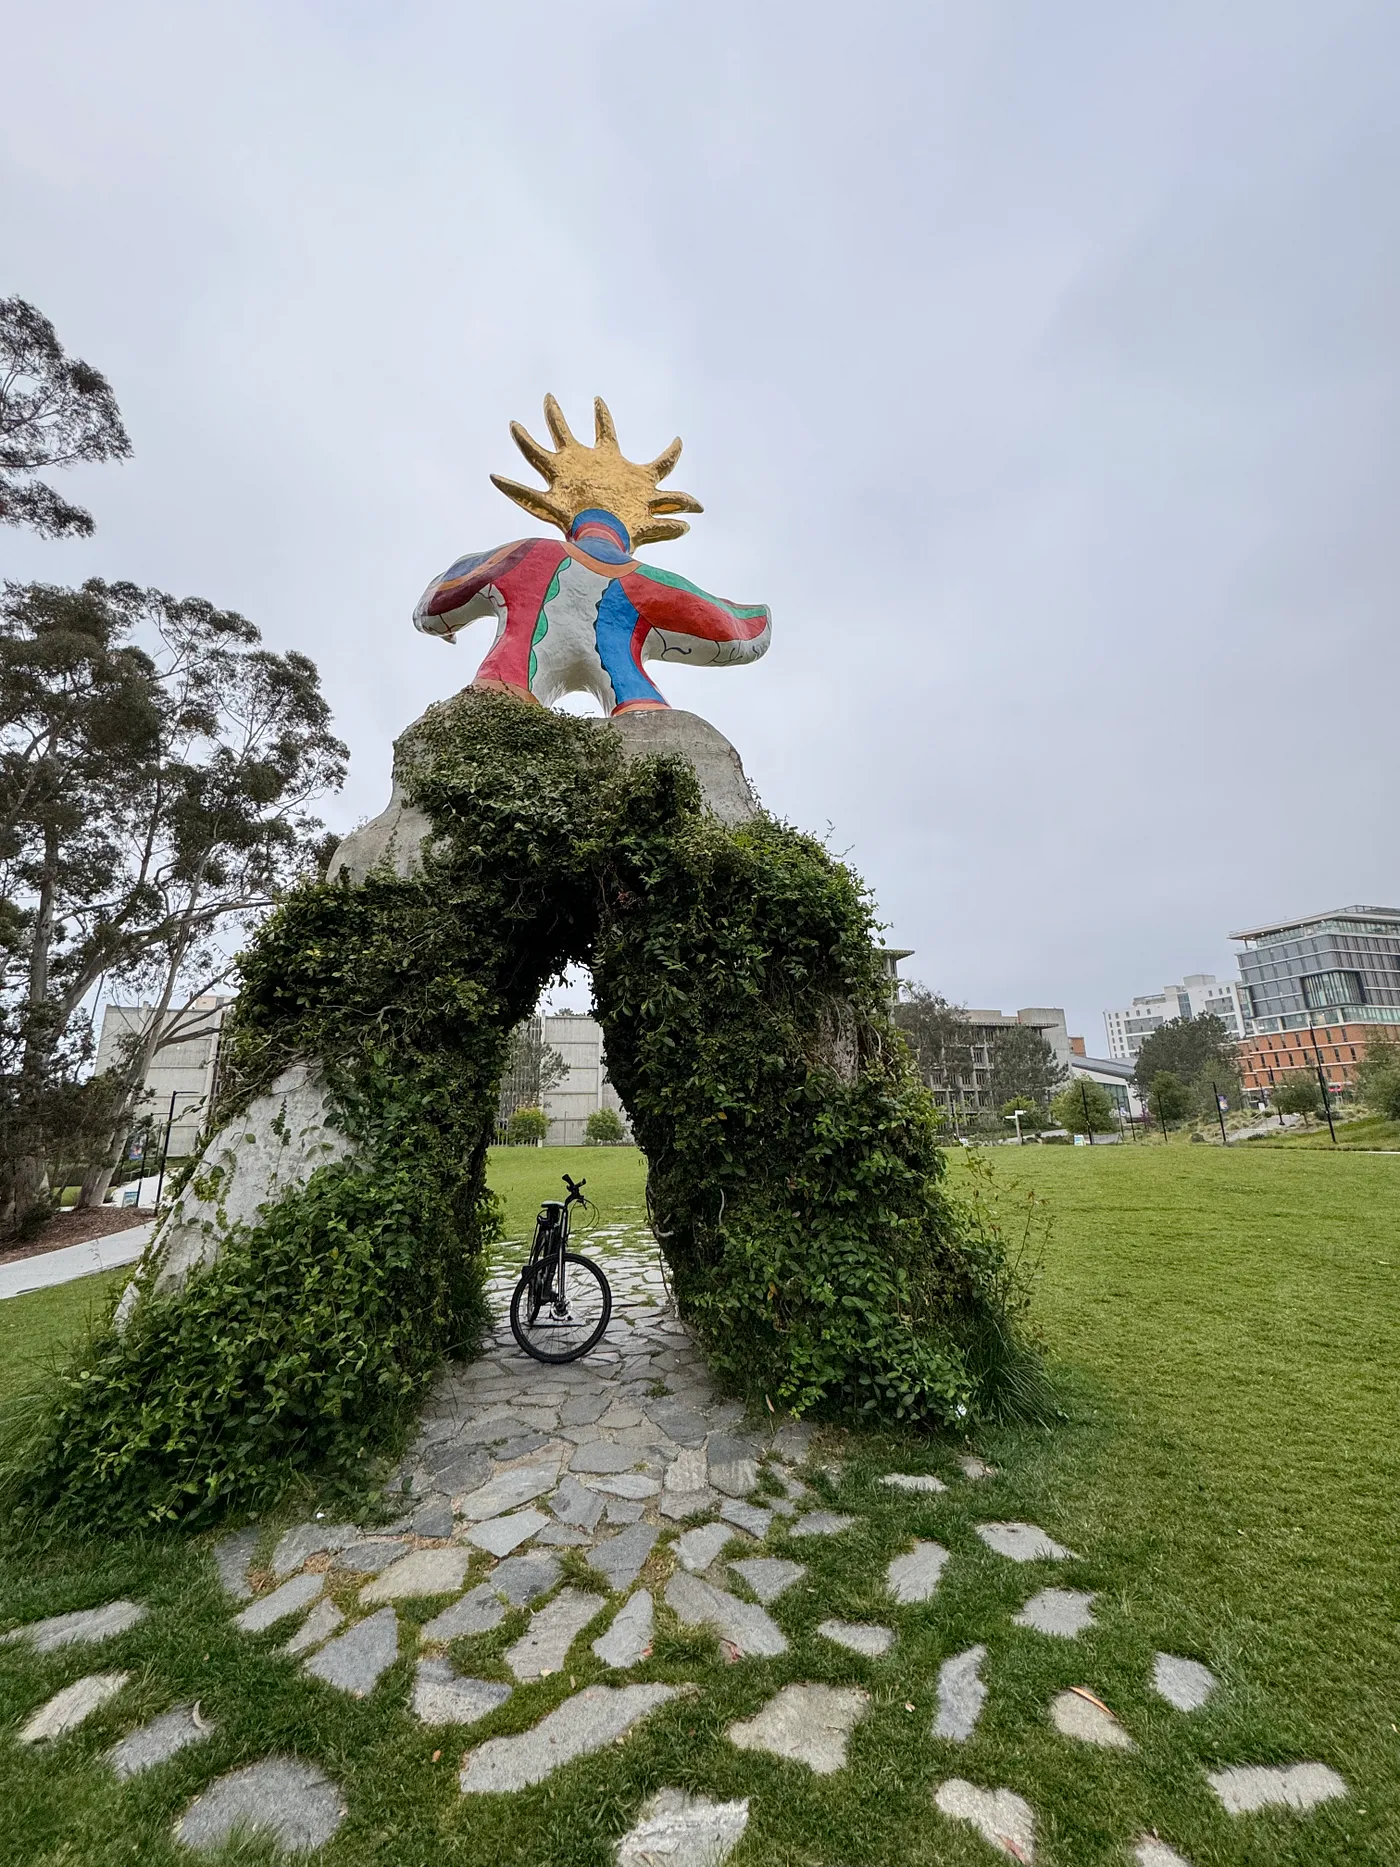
{"x":567,"y":1317}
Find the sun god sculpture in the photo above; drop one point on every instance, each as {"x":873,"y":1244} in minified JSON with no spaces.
{"x":583,"y":616}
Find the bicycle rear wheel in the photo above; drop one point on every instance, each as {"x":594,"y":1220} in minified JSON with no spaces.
{"x":557,"y":1324}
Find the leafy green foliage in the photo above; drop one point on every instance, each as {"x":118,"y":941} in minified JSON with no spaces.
{"x":1378,"y":1076}
{"x":1297,"y":1093}
{"x":527,"y":1128}
{"x":604,"y":1128}
{"x":1168,"y":1098}
{"x":795,"y":1181}
{"x":1189,"y":1048}
{"x":1084,"y":1108}
{"x":1024,"y":1068}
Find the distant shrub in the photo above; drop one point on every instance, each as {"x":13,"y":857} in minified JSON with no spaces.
{"x":605,"y":1128}
{"x":527,"y":1128}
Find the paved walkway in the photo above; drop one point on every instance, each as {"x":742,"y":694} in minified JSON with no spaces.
{"x":631,"y":1460}
{"x":62,"y":1267}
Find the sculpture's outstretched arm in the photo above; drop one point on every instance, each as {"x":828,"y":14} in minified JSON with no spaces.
{"x":679,"y":622}
{"x":461,"y":594}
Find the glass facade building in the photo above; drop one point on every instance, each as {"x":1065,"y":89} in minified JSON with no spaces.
{"x":1328,"y":969}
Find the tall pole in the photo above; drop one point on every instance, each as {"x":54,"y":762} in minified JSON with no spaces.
{"x":165,"y":1146}
{"x":1088,"y":1118}
{"x":1322,"y":1082}
{"x":1220,"y":1116}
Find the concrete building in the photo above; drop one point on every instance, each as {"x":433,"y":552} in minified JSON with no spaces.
{"x":1318,"y":989}
{"x":183,"y":1072}
{"x":1198,"y":994}
{"x":967,"y":1084}
{"x":1113,"y":1074}
{"x":579,"y":1041}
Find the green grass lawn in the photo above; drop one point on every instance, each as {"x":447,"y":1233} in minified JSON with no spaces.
{"x":523,"y":1176}
{"x":1225,"y":1326}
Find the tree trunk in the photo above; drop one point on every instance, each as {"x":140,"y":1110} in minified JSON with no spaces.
{"x":96,"y":1183}
{"x":31,"y":1173}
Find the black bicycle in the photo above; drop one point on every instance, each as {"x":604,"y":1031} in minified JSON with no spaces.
{"x":562,"y":1303}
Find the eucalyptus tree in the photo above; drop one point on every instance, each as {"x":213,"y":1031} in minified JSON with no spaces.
{"x":158,"y":768}
{"x":55,"y":411}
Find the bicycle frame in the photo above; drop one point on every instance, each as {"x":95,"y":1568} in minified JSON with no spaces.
{"x":546,"y":1268}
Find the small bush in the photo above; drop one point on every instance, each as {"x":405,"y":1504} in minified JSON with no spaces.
{"x":1084,"y":1108}
{"x":527,"y":1128}
{"x":605,"y":1129}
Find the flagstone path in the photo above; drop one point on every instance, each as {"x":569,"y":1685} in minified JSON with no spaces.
{"x":631,"y":1459}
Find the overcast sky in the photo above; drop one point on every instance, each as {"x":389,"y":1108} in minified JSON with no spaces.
{"x":1039,"y":366}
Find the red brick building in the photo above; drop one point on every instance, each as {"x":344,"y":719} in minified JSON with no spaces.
{"x":1268,"y":1056}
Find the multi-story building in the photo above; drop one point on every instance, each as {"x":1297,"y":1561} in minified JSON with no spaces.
{"x":966,"y":1085}
{"x":1317,"y":989}
{"x":179,"y":1085}
{"x":1198,"y":994}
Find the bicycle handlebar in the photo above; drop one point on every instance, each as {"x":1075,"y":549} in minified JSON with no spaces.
{"x":575,"y":1192}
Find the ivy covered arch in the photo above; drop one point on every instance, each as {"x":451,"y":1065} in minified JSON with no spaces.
{"x":795,"y":1183}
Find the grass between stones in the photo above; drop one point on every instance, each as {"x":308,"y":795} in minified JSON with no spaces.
{"x":1226,"y":1328}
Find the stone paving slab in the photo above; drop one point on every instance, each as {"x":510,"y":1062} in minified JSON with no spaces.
{"x":290,"y":1598}
{"x":232,"y":1558}
{"x":476,"y":1612}
{"x":86,"y":1625}
{"x":371,"y":1557}
{"x":498,"y":1536}
{"x":972,"y":1467}
{"x":821,"y":1523}
{"x":1080,"y":1715}
{"x":523,"y":1579}
{"x":768,"y":1576}
{"x":859,"y":1637}
{"x":319,"y":1625}
{"x":628,"y":1641}
{"x":733,"y":1468}
{"x":961,"y":1695}
{"x":506,"y":1492}
{"x":1022,"y":1542}
{"x":635,"y":1485}
{"x":1064,"y":1612}
{"x":913,"y":1481}
{"x":747,"y":1630}
{"x":914,"y":1576}
{"x":620,"y":1557}
{"x":597,"y":1716}
{"x":681,"y":1504}
{"x":1003,"y":1819}
{"x":808,"y":1724}
{"x":443,"y":1696}
{"x":1148,"y":1851}
{"x":423,"y":1573}
{"x":67,"y":1709}
{"x":1245,"y":1788}
{"x":356,"y":1661}
{"x":165,"y":1736}
{"x":575,"y":1503}
{"x":1182,"y":1682}
{"x":747,"y":1517}
{"x":295,"y":1804}
{"x":309,"y":1539}
{"x":679,"y":1830}
{"x":544,"y":1645}
{"x":696,"y":1549}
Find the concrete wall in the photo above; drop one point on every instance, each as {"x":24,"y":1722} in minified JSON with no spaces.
{"x":184,"y":1070}
{"x":579,"y":1042}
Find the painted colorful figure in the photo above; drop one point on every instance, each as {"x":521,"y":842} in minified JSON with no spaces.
{"x":582,"y":616}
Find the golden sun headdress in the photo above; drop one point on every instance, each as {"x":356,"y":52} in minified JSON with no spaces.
{"x":579,"y":478}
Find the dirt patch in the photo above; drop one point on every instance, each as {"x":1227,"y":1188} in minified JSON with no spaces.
{"x":75,"y":1228}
